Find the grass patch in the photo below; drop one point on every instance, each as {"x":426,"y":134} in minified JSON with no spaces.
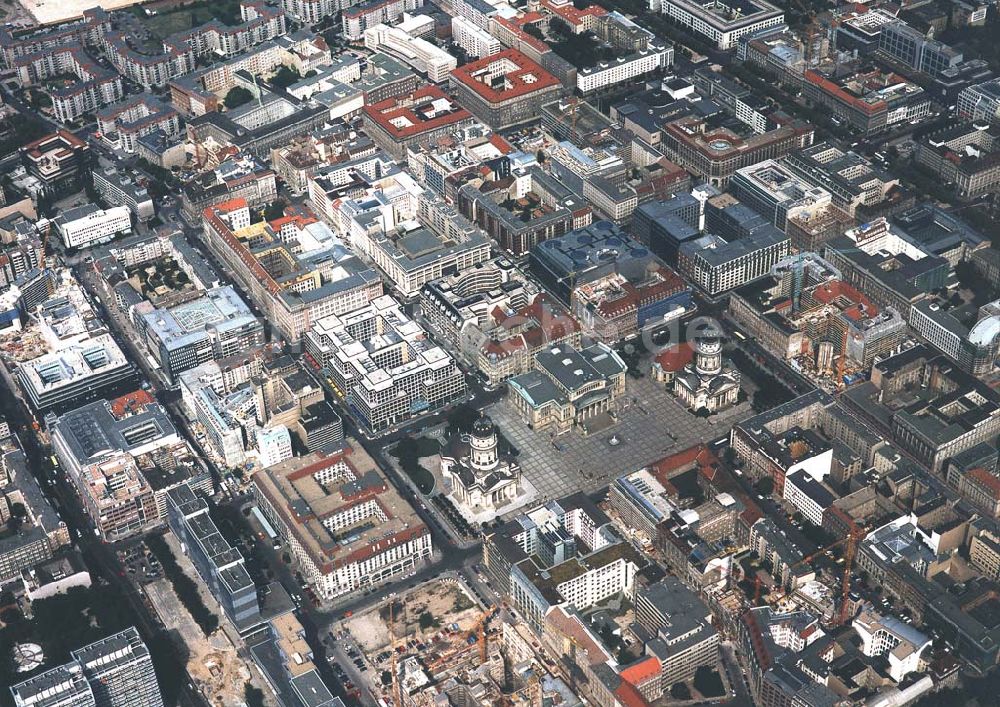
{"x":183,"y":585}
{"x":164,"y":25}
{"x":408,"y":452}
{"x":708,"y":682}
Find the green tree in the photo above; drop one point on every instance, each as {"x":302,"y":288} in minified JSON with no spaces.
{"x":237,"y":97}
{"x":285,"y":77}
{"x":253,"y":696}
{"x":427,"y":621}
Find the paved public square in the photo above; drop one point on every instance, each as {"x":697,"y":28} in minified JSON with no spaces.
{"x":652,"y":425}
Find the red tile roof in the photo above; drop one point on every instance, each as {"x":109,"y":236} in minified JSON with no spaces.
{"x":642,"y":672}
{"x":408,"y":107}
{"x":131,"y":403}
{"x":986,"y":480}
{"x":527,"y":78}
{"x":676,"y":357}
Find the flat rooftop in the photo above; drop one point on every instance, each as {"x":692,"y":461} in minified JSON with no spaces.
{"x":339,"y":507}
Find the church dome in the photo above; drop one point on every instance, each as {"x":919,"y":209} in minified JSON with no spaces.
{"x":483,"y":427}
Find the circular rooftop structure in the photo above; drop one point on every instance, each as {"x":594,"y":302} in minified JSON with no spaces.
{"x":28,"y":656}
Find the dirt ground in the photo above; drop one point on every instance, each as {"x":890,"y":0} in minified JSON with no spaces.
{"x":213,"y":662}
{"x":442,"y":603}
{"x":52,"y":11}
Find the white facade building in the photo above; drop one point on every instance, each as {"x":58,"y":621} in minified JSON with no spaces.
{"x":88,"y":225}
{"x":423,"y":56}
{"x":475,"y":41}
{"x":623,"y":68}
{"x":723,"y":23}
{"x":901,"y":644}
{"x":274,"y":445}
{"x":808,"y":495}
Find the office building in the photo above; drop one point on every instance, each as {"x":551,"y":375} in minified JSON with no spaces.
{"x":411,"y":234}
{"x":63,"y":686}
{"x":403,"y":123}
{"x":59,"y":161}
{"x":40,"y":532}
{"x":73,"y":372}
{"x":717,"y":266}
{"x":120,"y":671}
{"x":980,"y":102}
{"x":516,"y":228}
{"x":775,"y":192}
{"x":966,"y":157}
{"x":685,"y":638}
{"x":104,"y":447}
{"x":561,"y":553}
{"x":723,"y":24}
{"x":87,"y":225}
{"x":505,"y":89}
{"x":346,"y":525}
{"x":296,"y":270}
{"x":116,"y":671}
{"x":423,"y":56}
{"x":856,"y":187}
{"x":219,"y":324}
{"x":916,"y":50}
{"x":384,"y":365}
{"x":716,"y":153}
{"x":219,"y":564}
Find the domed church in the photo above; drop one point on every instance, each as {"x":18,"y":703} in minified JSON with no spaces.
{"x":480,"y":479}
{"x":710,"y":381}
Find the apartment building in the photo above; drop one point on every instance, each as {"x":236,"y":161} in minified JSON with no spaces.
{"x":355,"y":20}
{"x":476,"y":42}
{"x":88,"y":31}
{"x":117,"y":189}
{"x":124,"y":123}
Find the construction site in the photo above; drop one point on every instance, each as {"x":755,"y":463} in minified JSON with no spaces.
{"x":437,"y":640}
{"x":213,"y":662}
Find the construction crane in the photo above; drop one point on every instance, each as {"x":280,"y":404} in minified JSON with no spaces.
{"x":45,"y":243}
{"x":397,"y":699}
{"x":480,"y":633}
{"x":853,"y":536}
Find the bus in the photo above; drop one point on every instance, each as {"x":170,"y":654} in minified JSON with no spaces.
{"x":272,"y":536}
